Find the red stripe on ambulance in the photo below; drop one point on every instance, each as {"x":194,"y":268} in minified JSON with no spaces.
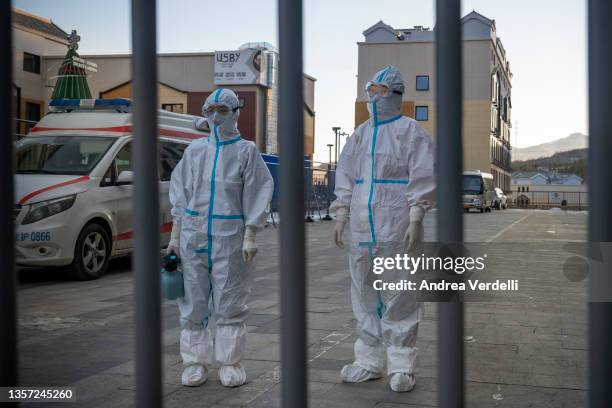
{"x":25,"y":198}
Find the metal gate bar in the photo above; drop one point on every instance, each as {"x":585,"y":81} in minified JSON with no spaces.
{"x":8,"y":277}
{"x":146,"y":207}
{"x":449,"y":161}
{"x":600,"y":199}
{"x":292,"y":234}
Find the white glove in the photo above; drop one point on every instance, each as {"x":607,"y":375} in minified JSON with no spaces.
{"x":249,"y":247}
{"x":413,"y":238}
{"x":341,"y":220}
{"x":173,"y":245}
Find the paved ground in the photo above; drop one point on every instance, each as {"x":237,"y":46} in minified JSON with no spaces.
{"x":527,"y":350}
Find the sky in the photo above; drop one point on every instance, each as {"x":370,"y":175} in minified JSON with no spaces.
{"x":545,"y":42}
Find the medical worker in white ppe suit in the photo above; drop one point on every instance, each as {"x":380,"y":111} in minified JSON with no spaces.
{"x":384,"y":186}
{"x":219,"y":193}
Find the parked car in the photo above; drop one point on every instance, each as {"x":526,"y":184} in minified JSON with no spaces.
{"x":501,"y":200}
{"x":478,"y":192}
{"x":73,"y":204}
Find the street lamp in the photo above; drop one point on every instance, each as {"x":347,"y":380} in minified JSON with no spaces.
{"x":341,"y":134}
{"x":330,"y":150}
{"x":336,"y":129}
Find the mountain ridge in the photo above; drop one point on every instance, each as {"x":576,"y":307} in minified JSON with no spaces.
{"x":572,"y":142}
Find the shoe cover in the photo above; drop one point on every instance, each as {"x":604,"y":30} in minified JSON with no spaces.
{"x":194,"y":375}
{"x":232,"y":375}
{"x":353,"y":373}
{"x":402,"y":382}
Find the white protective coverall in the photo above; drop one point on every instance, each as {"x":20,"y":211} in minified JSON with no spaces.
{"x":220,"y":188}
{"x":385,"y":169}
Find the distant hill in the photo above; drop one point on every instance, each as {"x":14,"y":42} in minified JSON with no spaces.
{"x":572,"y":161}
{"x":571,"y":142}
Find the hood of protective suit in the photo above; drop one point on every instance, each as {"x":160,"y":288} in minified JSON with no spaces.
{"x":226,"y":124}
{"x":390,"y":105}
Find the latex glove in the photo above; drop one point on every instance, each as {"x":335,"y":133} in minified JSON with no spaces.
{"x":173,"y":245}
{"x":341,"y":220}
{"x":249,"y":246}
{"x":413,"y":238}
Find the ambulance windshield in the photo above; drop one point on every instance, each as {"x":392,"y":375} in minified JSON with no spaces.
{"x":60,"y":154}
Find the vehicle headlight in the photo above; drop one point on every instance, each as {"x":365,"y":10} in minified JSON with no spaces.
{"x":48,"y":208}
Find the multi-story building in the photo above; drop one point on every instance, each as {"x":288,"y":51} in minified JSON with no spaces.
{"x":486,"y":86}
{"x":34,"y":37}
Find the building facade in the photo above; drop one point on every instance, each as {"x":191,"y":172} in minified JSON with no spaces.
{"x":487,"y":84}
{"x":185,"y":80}
{"x":34,"y":38}
{"x":548,"y":189}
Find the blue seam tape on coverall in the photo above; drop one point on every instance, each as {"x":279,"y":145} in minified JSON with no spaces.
{"x":211,"y":215}
{"x":371,"y":195}
{"x":219,"y":91}
{"x":380,"y":305}
{"x":227,"y":142}
{"x":383,"y":74}
{"x":191,"y":212}
{"x":228,"y":217}
{"x":211,"y":203}
{"x":390,"y":181}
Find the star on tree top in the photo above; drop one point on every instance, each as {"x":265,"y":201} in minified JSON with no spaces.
{"x":74,"y":39}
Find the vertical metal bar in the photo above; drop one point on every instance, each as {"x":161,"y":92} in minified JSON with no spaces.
{"x":600,"y":196}
{"x":8,"y":277}
{"x":292,"y":234}
{"x":146,"y":206}
{"x":449,"y":184}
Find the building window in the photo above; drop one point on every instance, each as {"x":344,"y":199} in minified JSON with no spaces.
{"x":32,"y":115}
{"x":31,"y":63}
{"x":421,"y":113}
{"x":422,"y":83}
{"x":173,"y":107}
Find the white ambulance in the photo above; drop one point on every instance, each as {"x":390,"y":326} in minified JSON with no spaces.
{"x":73,"y":203}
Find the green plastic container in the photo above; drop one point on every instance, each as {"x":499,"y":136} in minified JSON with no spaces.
{"x":172,"y":285}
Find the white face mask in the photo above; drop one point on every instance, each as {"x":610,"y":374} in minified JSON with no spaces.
{"x":218,"y":119}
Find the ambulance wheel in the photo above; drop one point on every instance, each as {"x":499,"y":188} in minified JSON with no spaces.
{"x":91,"y":253}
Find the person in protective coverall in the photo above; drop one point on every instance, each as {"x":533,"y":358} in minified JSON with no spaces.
{"x":385,"y":181}
{"x":219,"y":193}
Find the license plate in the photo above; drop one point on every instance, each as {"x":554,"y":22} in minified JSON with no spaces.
{"x":34,"y":236}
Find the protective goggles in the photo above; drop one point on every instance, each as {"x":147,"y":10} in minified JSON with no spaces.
{"x":382,"y":90}
{"x":221,"y":109}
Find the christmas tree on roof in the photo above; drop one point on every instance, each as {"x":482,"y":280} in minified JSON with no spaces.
{"x":72,"y":76}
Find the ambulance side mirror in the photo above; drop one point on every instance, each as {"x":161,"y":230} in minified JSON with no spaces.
{"x":125,"y":177}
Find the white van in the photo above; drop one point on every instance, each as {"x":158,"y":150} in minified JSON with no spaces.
{"x":73,"y":203}
{"x":478,"y":191}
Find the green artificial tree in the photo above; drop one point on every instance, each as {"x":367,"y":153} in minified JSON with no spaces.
{"x":72,"y":76}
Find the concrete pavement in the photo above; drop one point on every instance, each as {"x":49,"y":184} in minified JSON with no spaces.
{"x":527,"y":350}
